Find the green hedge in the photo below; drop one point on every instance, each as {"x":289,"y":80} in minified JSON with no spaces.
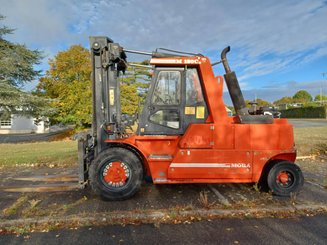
{"x":305,"y":112}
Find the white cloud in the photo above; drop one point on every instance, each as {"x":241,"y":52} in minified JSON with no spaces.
{"x":265,"y":36}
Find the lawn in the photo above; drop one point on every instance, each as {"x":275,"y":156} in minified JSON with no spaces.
{"x":307,"y":140}
{"x":310,"y":140}
{"x":47,"y":153}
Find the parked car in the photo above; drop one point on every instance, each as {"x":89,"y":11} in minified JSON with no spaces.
{"x":269,"y":110}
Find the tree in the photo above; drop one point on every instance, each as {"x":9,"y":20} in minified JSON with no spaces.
{"x":15,"y":101}
{"x":284,"y":100}
{"x":134,"y":87}
{"x":262,"y":102}
{"x":16,"y":69}
{"x":323,"y":97}
{"x":259,"y":102}
{"x":302,"y":96}
{"x":68,"y":84}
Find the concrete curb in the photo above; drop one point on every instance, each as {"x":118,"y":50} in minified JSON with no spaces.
{"x":159,"y":216}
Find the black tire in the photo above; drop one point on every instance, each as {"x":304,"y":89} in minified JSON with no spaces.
{"x":99,"y":169}
{"x":263,"y":182}
{"x":285,"y":178}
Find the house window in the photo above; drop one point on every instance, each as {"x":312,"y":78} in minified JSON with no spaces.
{"x":6,"y":123}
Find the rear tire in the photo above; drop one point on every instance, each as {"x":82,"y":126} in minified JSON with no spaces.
{"x":285,"y":178}
{"x":116,"y":174}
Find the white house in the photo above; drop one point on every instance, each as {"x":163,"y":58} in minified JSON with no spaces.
{"x":18,"y":124}
{"x":229,"y":112}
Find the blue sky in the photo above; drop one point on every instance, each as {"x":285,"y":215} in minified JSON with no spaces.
{"x":278,"y":47}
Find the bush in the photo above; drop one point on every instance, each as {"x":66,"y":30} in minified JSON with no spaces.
{"x":305,"y":112}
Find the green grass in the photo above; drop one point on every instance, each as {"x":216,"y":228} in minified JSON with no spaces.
{"x":310,"y":140}
{"x":55,"y":152}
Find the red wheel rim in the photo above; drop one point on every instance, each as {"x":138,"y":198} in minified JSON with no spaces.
{"x":116,"y":174}
{"x":284,"y":179}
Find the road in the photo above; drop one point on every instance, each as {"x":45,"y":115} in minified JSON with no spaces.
{"x":19,"y":138}
{"x":308,"y":123}
{"x":303,"y":230}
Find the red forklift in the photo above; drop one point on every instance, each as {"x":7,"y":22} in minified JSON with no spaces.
{"x":184,"y":134}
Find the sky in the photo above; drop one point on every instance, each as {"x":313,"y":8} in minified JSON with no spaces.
{"x":277,"y":47}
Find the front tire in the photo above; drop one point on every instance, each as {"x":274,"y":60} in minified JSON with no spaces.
{"x":116,"y":174}
{"x":285,"y":178}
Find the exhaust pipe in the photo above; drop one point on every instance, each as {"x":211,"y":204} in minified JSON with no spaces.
{"x":233,"y":86}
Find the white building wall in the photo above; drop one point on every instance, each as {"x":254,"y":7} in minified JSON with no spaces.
{"x":229,"y":112}
{"x":24,"y":125}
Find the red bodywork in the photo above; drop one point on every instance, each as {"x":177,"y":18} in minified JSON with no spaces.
{"x":219,"y":151}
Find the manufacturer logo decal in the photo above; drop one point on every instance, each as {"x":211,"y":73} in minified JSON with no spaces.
{"x":240,"y":165}
{"x":210,"y":165}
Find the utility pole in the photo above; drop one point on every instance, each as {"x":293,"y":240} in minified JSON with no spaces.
{"x":322,"y":84}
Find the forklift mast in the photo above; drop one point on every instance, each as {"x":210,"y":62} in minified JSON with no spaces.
{"x":107,"y":58}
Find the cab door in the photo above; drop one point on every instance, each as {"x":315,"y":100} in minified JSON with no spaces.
{"x":162,"y":113}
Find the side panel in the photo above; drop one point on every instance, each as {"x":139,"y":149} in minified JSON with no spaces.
{"x":198,"y":136}
{"x":264,"y":137}
{"x":159,"y":152}
{"x":210,"y":164}
{"x":208,"y":152}
{"x":286,"y":136}
{"x":157,"y":145}
{"x":270,"y":142}
{"x":224,"y":137}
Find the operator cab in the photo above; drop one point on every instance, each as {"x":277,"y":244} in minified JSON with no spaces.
{"x":175,"y":100}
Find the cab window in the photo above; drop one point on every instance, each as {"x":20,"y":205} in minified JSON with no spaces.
{"x":167,"y":91}
{"x":194,"y":94}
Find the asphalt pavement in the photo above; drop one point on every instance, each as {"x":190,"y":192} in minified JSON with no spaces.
{"x":33,"y":137}
{"x":303,"y":230}
{"x":308,"y":123}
